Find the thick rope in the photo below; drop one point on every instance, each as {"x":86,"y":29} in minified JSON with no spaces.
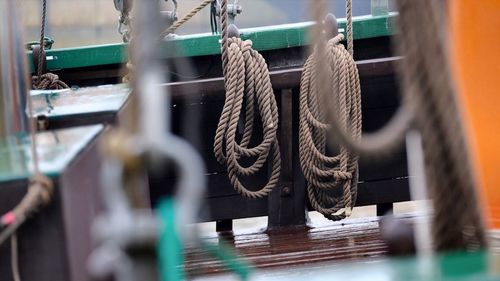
{"x":187,"y":17}
{"x":425,"y":74}
{"x":45,"y":81}
{"x":246,"y":78}
{"x":48,"y":81}
{"x":40,"y":192}
{"x":331,"y":82}
{"x":324,"y":173}
{"x":381,"y":143}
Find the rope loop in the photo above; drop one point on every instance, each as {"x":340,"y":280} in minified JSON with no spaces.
{"x":326,"y":174}
{"x":248,"y":85}
{"x":47,"y":81}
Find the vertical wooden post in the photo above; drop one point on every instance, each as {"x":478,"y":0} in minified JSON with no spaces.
{"x":384,"y":208}
{"x":224,"y":225}
{"x":287,"y":201}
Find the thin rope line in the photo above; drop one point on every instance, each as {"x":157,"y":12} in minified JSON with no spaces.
{"x":187,"y":17}
{"x":42,"y":37}
{"x":14,"y":258}
{"x":350,"y":41}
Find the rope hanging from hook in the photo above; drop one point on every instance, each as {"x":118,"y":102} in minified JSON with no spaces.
{"x":331,"y":69}
{"x":247,"y":80}
{"x":325,"y":174}
{"x":45,"y":81}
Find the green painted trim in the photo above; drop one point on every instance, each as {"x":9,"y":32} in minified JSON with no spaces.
{"x":263,"y":38}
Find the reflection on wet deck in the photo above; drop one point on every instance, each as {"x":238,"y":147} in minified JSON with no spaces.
{"x":353,"y":239}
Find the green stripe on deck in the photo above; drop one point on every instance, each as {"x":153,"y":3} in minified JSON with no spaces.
{"x":263,"y":38}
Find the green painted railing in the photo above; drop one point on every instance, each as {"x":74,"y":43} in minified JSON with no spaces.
{"x":263,"y":38}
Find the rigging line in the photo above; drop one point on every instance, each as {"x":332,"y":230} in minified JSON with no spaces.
{"x":186,"y":18}
{"x":45,"y":81}
{"x":14,"y":258}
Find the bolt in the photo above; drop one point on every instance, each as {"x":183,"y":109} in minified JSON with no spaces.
{"x":239,"y":9}
{"x":286,"y":190}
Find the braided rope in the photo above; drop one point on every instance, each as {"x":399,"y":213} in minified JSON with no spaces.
{"x":45,"y":81}
{"x":48,"y":81}
{"x":246,"y":78}
{"x":378,"y":144}
{"x":39,"y":193}
{"x":329,"y":83}
{"x":348,"y":14}
{"x":42,"y":36}
{"x":187,"y":17}
{"x":327,"y":173}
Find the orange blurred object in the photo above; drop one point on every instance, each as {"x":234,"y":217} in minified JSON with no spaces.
{"x":475,"y":50}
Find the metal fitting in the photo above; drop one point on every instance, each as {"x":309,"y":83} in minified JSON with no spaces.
{"x":232,"y":10}
{"x":168,"y":17}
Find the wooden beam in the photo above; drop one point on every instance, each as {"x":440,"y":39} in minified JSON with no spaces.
{"x":286,"y":78}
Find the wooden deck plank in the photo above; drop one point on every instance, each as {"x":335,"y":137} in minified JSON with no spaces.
{"x":354,"y":239}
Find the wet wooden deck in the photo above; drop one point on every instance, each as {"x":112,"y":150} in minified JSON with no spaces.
{"x":355,"y":239}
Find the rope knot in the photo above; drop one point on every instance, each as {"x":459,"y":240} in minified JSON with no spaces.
{"x":47,"y":81}
{"x":40,"y":192}
{"x":44,"y":187}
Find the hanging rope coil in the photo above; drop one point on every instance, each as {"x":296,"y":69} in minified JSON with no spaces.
{"x":246,"y":79}
{"x":378,"y":144}
{"x":324,"y":173}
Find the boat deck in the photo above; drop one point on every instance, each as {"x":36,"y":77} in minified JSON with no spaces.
{"x":353,"y":239}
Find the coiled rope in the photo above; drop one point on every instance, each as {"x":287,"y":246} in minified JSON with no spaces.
{"x":325,"y":174}
{"x":45,"y":81}
{"x":246,"y":77}
{"x":387,"y":139}
{"x":429,"y":104}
